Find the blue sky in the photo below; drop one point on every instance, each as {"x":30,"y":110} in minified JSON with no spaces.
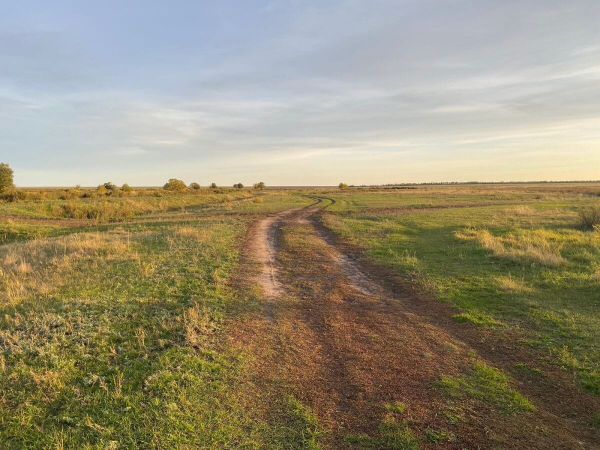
{"x":299,"y":92}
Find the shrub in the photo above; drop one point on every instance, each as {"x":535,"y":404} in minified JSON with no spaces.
{"x":259,"y":185}
{"x":590,"y":216}
{"x":102,"y":190}
{"x":194,"y":186}
{"x":213,"y":185}
{"x":126,"y":188}
{"x":175,"y":185}
{"x":238,"y":186}
{"x":110,"y":186}
{"x":14,"y":196}
{"x":343,"y":186}
{"x":6,"y":177}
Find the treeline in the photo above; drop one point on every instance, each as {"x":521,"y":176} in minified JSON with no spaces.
{"x":9,"y":193}
{"x":455,"y":183}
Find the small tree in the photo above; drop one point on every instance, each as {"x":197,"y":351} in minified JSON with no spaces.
{"x":213,"y":185}
{"x":194,"y":185}
{"x":110,"y":186}
{"x":259,"y":185}
{"x":6,"y":177}
{"x":343,"y":186}
{"x":238,"y":186}
{"x":175,"y":185}
{"x":126,"y":188}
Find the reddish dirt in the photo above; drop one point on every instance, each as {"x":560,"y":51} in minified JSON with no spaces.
{"x":347,"y":337}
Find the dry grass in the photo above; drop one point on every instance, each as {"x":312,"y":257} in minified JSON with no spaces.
{"x":187,"y":232}
{"x":511,"y":284}
{"x":533,"y":248}
{"x":200,"y":324}
{"x":30,"y":268}
{"x":521,"y":210}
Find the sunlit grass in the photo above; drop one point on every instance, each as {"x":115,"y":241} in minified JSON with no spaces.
{"x":524,"y":262}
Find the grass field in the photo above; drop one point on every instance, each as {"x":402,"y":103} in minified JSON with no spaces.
{"x":120,"y":317}
{"x":509,"y":256}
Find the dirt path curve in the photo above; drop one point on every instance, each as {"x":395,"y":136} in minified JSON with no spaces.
{"x":346,"y":345}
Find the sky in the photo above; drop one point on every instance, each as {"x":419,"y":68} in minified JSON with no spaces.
{"x":298,"y":92}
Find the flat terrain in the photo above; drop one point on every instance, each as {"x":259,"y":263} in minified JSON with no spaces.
{"x":422,"y":317}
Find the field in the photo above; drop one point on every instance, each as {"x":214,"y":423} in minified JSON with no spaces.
{"x":417,"y":317}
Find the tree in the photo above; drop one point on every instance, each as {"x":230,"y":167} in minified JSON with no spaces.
{"x":126,"y":188}
{"x":238,"y":186}
{"x":194,"y":185}
{"x":213,"y":185}
{"x":6,"y":177}
{"x":175,"y":185}
{"x":343,"y":186}
{"x":259,"y":185}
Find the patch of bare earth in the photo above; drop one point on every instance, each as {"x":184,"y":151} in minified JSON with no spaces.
{"x":346,"y":338}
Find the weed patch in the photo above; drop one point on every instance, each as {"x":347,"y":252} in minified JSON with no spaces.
{"x":390,"y":435}
{"x":486,"y":384}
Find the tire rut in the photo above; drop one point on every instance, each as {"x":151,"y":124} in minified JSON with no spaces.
{"x":345,"y":346}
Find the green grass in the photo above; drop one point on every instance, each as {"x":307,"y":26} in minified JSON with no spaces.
{"x":526,"y":368}
{"x":504,"y":256}
{"x":477,"y":319}
{"x":395,"y":407}
{"x":486,"y":384}
{"x":391,"y":434}
{"x":113,"y":326}
{"x":15,"y":231}
{"x":113,"y":338}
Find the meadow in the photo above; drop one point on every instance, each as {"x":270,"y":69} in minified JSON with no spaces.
{"x":504,"y":256}
{"x":125,"y":319}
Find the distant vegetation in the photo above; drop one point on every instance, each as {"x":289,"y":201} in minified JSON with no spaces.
{"x":6,"y":177}
{"x":175,"y":185}
{"x":195,"y":186}
{"x":343,"y":186}
{"x":259,"y":185}
{"x":238,"y":186}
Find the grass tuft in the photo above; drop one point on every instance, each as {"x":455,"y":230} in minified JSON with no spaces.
{"x":479,"y":319}
{"x":390,"y":435}
{"x":395,"y":407}
{"x":533,"y":248}
{"x":487,"y":384}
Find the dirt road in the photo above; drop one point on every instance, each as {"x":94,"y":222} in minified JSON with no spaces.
{"x":349,"y":342}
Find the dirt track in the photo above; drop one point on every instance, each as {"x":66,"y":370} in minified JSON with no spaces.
{"x":346,"y":340}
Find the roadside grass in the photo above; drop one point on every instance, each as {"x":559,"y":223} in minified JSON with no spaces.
{"x":526,"y":368}
{"x":391,"y":434}
{"x":477,"y":319}
{"x":487,"y":384}
{"x":114,"y":338}
{"x":523,"y":261}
